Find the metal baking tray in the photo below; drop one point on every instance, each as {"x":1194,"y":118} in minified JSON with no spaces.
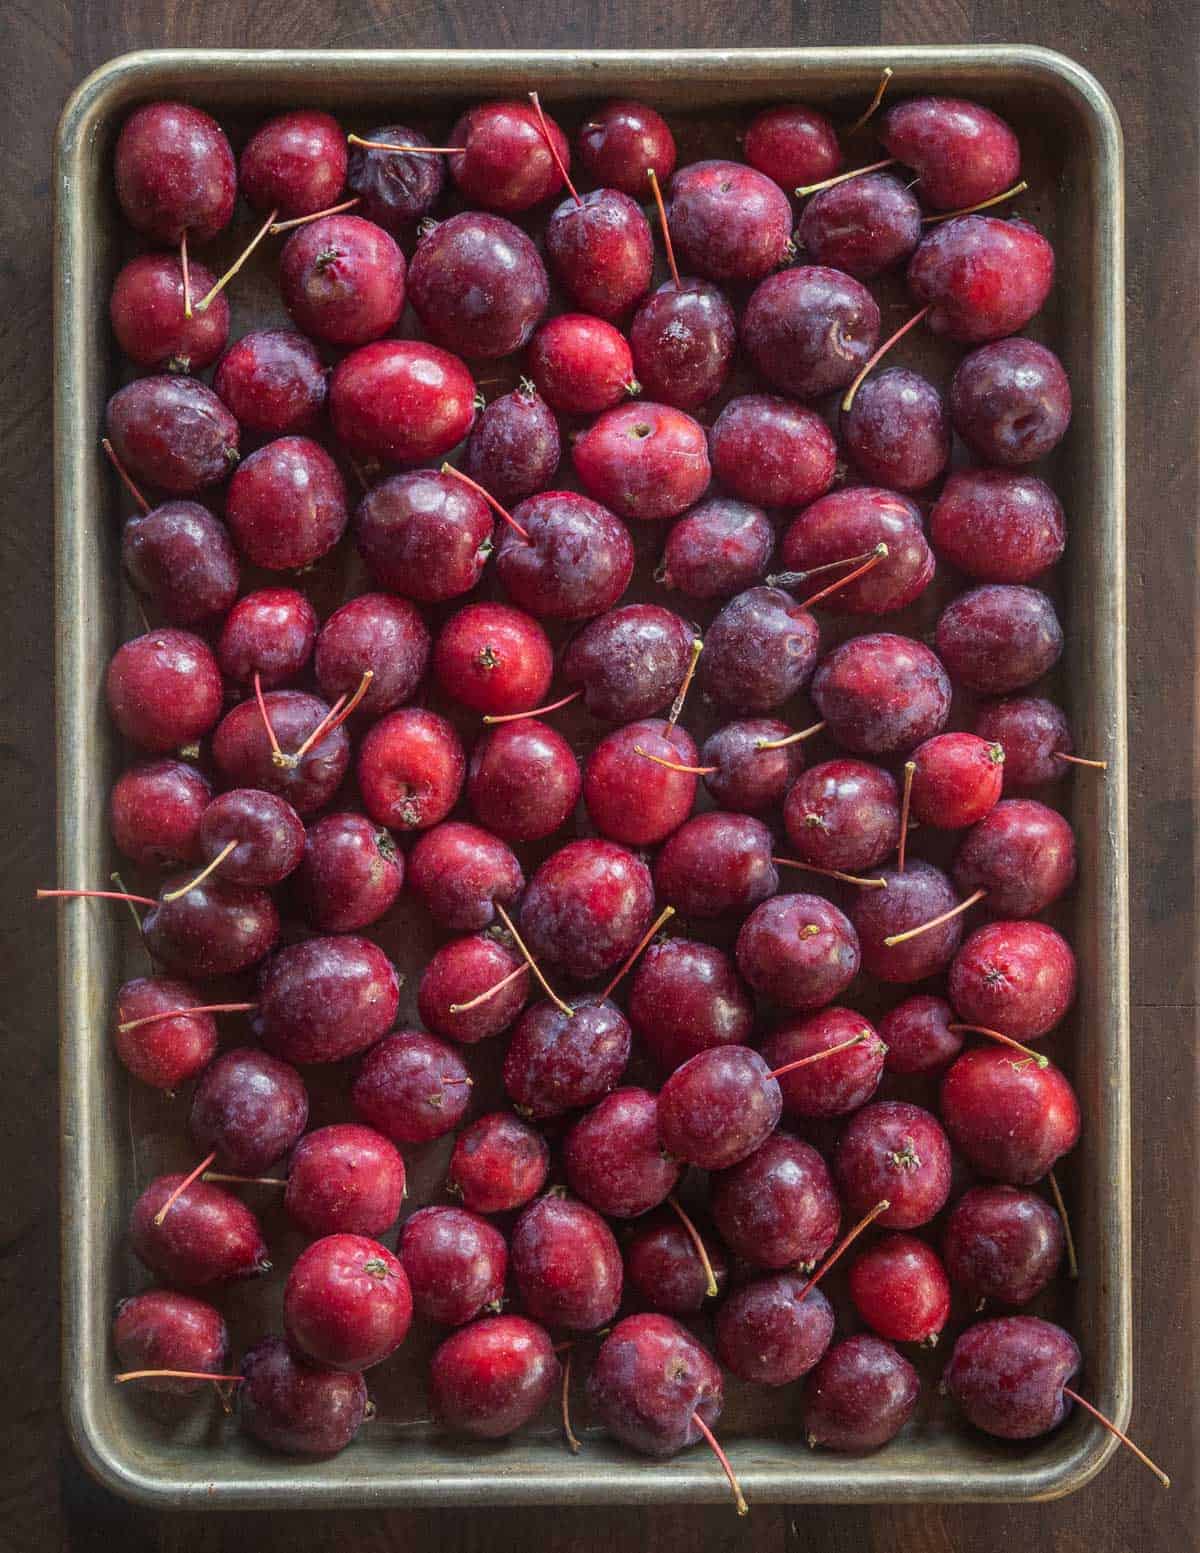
{"x":114,"y":1135}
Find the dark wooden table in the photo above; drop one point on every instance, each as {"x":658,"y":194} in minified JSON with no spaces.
{"x":1144,"y":53}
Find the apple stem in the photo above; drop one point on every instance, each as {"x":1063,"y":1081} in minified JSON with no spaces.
{"x":387,"y":145}
{"x":714,"y":1445}
{"x":910,"y":771}
{"x":1078,"y":760}
{"x":549,"y":139}
{"x":223,"y":1380}
{"x":880,"y":553}
{"x":174,"y":895}
{"x":277,"y":754}
{"x":532,"y":964}
{"x":220,"y":1175}
{"x":569,"y":1434}
{"x":666,"y":231}
{"x":183,"y":1013}
{"x":711,"y":1288}
{"x":855,"y":172}
{"x":686,"y":683}
{"x":98,"y":895}
{"x":187,"y":277}
{"x":663,"y":917}
{"x":1005,"y":1040}
{"x":809,"y":930}
{"x":792,"y":738}
{"x":887,"y":75}
{"x":831,"y":873}
{"x":330,"y":210}
{"x":830,"y":1051}
{"x":465,"y":1008}
{"x":123,"y":474}
{"x":335,"y":717}
{"x":914,"y":932}
{"x":537,"y":711}
{"x":120,"y":884}
{"x":794,"y":579}
{"x":873,"y":361}
{"x":843,"y":1245}
{"x":449,"y":469}
{"x":219,"y":285}
{"x":674,"y":765}
{"x":1072,"y":1259}
{"x":193,"y":1175}
{"x":1124,"y":1438}
{"x":969,"y":210}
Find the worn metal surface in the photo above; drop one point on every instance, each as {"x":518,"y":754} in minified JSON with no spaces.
{"x":1072,"y":143}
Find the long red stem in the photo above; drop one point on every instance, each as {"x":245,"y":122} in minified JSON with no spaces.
{"x":844,"y":1245}
{"x":98,"y":895}
{"x":387,"y":145}
{"x":224,"y":1380}
{"x":674,"y":765}
{"x":1124,"y":1438}
{"x":945,"y":916}
{"x":711,"y":1287}
{"x":880,"y":553}
{"x":182,"y":1013}
{"x":187,"y":1181}
{"x":537,"y":711}
{"x":276,"y":753}
{"x":532,"y":963}
{"x":910,"y":771}
{"x":794,"y":579}
{"x":714,"y":1445}
{"x":449,"y":469}
{"x":663,"y":917}
{"x":336,"y":716}
{"x":873,"y":361}
{"x":666,"y":231}
{"x":549,"y":139}
{"x":862,"y":119}
{"x":1004,"y":1040}
{"x":125,"y":477}
{"x":465,"y":1008}
{"x":830,"y":1051}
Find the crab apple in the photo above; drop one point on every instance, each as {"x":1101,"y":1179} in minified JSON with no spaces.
{"x":843,"y":814}
{"x":460,"y":872}
{"x":524,"y":780}
{"x":961,"y":152}
{"x":981,"y":277}
{"x":566,"y":1264}
{"x":897,"y":430}
{"x":377,"y":632}
{"x":809,"y":330}
{"x":499,"y":1163}
{"x":150,"y":317}
{"x":273,"y":381}
{"x":342,"y":280}
{"x":172,"y":432}
{"x":792,"y":145}
{"x":586,"y":907}
{"x":601,"y":251}
{"x":685,"y":997}
{"x":478,"y":285}
{"x":455,"y":1263}
{"x":630,"y":794}
{"x":324,"y":999}
{"x":644,"y":460}
{"x":900,"y":1289}
{"x":175,"y":173}
{"x":512,"y":156}
{"x":286,"y":504}
{"x":165,"y":1033}
{"x":773,"y":1330}
{"x":269,"y":633}
{"x":881,"y":694}
{"x":778,"y":1206}
{"x":514,"y":447}
{"x":1002,"y":1243}
{"x":161,"y":1330}
{"x":163,"y":690}
{"x":493,"y":659}
{"x":717,"y":863}
{"x":411,"y":769}
{"x":1010,"y":1118}
{"x":998,"y":525}
{"x":895,"y":1151}
{"x":919,"y":1034}
{"x":412,"y":1088}
{"x":912,"y":898}
{"x":207,"y":1237}
{"x":296,"y":1407}
{"x":344,"y":1179}
{"x":750,"y":765}
{"x":843,"y":1057}
{"x":759,"y":651}
{"x":718,"y":1107}
{"x":728,"y":221}
{"x":859,"y":1396}
{"x":491,"y":1377}
{"x":350,"y":874}
{"x":772,"y":451}
{"x":1021,"y":854}
{"x":624,"y":140}
{"x":580,"y":364}
{"x":957,"y":780}
{"x":848,"y":525}
{"x":1016,"y":977}
{"x":613,"y":1159}
{"x":716,"y":549}
{"x":347,"y":1303}
{"x":574,"y":560}
{"x":424,"y":535}
{"x":154,"y":812}
{"x":799,"y":951}
{"x":472,"y":988}
{"x":630,"y":662}
{"x":401,"y":401}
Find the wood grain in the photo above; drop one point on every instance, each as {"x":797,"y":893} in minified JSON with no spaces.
{"x":1144,"y":55}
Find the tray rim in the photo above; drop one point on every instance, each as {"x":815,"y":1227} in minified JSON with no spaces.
{"x":1072,"y":1460}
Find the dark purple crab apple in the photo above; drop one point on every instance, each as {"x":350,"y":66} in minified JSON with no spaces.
{"x":900,"y":1289}
{"x":378,"y":632}
{"x":286,"y":504}
{"x":248,"y":1110}
{"x":911,"y":899}
{"x":774,"y":1330}
{"x":395,"y":188}
{"x":1021,"y":855}
{"x":209,"y":1236}
{"x":424,"y":535}
{"x":799,"y":951}
{"x":347,"y":1303}
{"x":491,"y":1377}
{"x":154,"y":812}
{"x":272,"y":380}
{"x":325,"y":999}
{"x":998,"y":525}
{"x":750,"y":765}
{"x":411,"y":769}
{"x":586,"y":907}
{"x":718,"y":1107}
{"x":1016,"y":977}
{"x":684,"y":340}
{"x":716,"y":549}
{"x":344,"y":1179}
{"x":772,"y":451}
{"x":613,"y":1158}
{"x":601,"y":251}
{"x":728,"y":221}
{"x":861,"y":227}
{"x":664,"y":1270}
{"x":350,"y":875}
{"x":843,"y":814}
{"x":644,"y":460}
{"x":499,"y":1163}
{"x":566,"y":1264}
{"x":558,"y":1061}
{"x":919,"y":1035}
{"x":524,"y":780}
{"x":575,"y":559}
{"x":1010,"y":401}
{"x":478,"y":285}
{"x":842,"y":1080}
{"x":630,"y":662}
{"x":181,"y":558}
{"x":622,"y":141}
{"x":266,"y":835}
{"x":848,"y":525}
{"x":686,"y":996}
{"x":493,"y":659}
{"x":412,"y":1088}
{"x":859,"y":1396}
{"x":271,"y":633}
{"x":793,"y":145}
{"x":244,"y":748}
{"x":1002,"y":1243}
{"x":981,"y":277}
{"x":173,"y":433}
{"x":162,"y":1330}
{"x":897,"y":430}
{"x":342,"y":280}
{"x":1009,"y":1375}
{"x":1035,"y":737}
{"x":631,"y":795}
{"x":175,"y":173}
{"x":294,"y":164}
{"x":717,"y":863}
{"x":514,"y":447}
{"x":149,"y":315}
{"x":211,"y":928}
{"x":961,"y":152}
{"x":165,"y":1032}
{"x":295,"y":1407}
{"x":461,"y":872}
{"x":456,"y":1264}
{"x":759,"y":651}
{"x":778,"y":1206}
{"x":895,"y":1151}
{"x":809,"y":330}
{"x":163,"y":690}
{"x":1010,"y":1118}
{"x":881,"y":694}
{"x":472,"y":988}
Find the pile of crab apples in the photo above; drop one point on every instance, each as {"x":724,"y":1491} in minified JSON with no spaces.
{"x":662,"y":903}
